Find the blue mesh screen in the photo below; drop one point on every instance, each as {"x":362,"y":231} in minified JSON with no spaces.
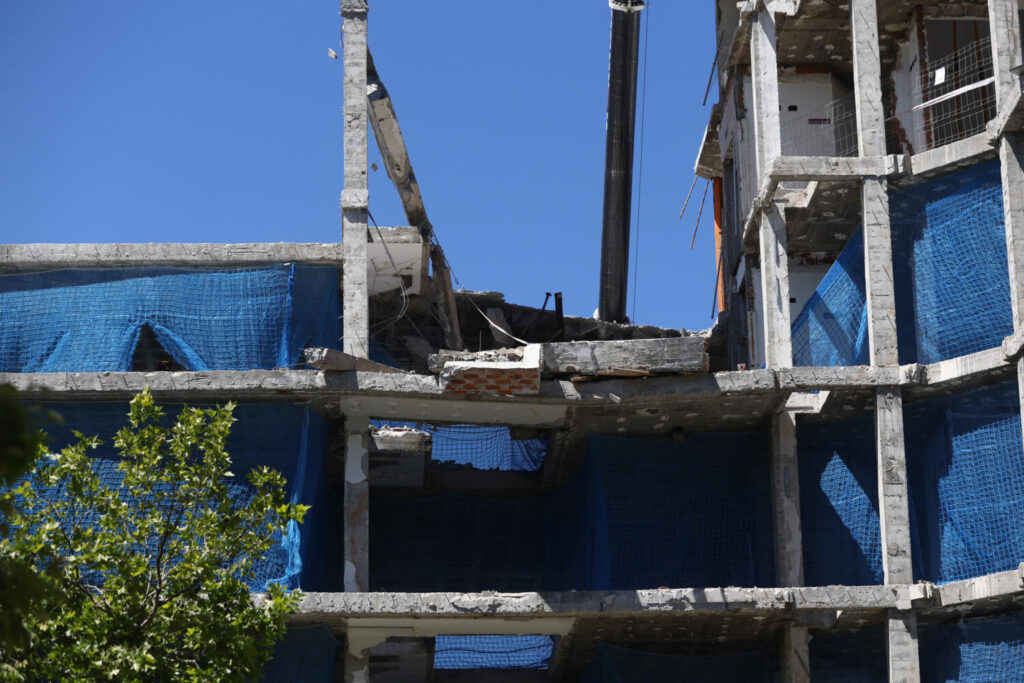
{"x":90,"y":320}
{"x":951,"y":275}
{"x":290,"y":438}
{"x":639,"y":514}
{"x":978,"y":650}
{"x":492,"y":652}
{"x":457,"y":543}
{"x":698,"y":514}
{"x":612,"y":664}
{"x":308,"y":654}
{"x":845,"y":657}
{"x":839,"y":502}
{"x":479,"y":447}
{"x":966,"y":474}
{"x":832,"y":329}
{"x":949,"y":272}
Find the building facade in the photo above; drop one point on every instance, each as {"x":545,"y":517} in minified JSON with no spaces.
{"x":827,"y":486}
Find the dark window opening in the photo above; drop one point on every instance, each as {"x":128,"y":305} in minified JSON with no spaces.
{"x":150,"y":356}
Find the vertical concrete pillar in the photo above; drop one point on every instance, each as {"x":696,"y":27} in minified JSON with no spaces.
{"x":893,"y":496}
{"x":767,"y":136}
{"x":357,"y":666}
{"x":795,"y":660}
{"x":778,"y":337}
{"x":764,"y":68}
{"x":902,"y":648}
{"x":357,"y":503}
{"x":1004,"y":25}
{"x":789,"y":555}
{"x":355,"y":196}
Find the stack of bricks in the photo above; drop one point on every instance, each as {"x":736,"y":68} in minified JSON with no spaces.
{"x":510,"y":379}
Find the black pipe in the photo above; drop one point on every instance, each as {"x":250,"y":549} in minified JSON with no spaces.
{"x":618,"y":162}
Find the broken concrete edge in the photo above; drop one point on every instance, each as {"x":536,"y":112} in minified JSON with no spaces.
{"x":338,"y":361}
{"x":1009,"y":118}
{"x":389,"y":439}
{"x":42,"y":256}
{"x":672,"y":355}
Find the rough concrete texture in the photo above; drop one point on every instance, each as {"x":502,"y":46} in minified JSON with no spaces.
{"x":47,"y":256}
{"x":354,"y":197}
{"x":357,"y":503}
{"x":648,"y":356}
{"x":789,"y":558}
{"x":894,"y":506}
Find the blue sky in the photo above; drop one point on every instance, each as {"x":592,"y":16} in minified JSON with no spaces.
{"x":221,"y":122}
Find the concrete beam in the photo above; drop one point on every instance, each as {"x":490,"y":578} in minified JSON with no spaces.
{"x":338,"y":361}
{"x":520,"y":607}
{"x":992,"y":586}
{"x":26,"y":257}
{"x":945,"y":159}
{"x":355,"y":195}
{"x":357,"y":503}
{"x":652,"y":356}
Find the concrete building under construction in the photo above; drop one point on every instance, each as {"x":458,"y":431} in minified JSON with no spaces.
{"x":827,"y":486}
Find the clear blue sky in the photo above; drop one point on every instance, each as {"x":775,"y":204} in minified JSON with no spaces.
{"x":221,"y":122}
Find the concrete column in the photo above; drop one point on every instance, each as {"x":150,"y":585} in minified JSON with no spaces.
{"x":894,"y":508}
{"x":778,"y":343}
{"x":355,"y":195}
{"x":878,"y":273}
{"x":795,"y":660}
{"x":789,"y":555}
{"x":774,"y":259}
{"x":902,"y":648}
{"x":357,"y":666}
{"x":867,"y":74}
{"x":764,"y":68}
{"x":1004,"y":23}
{"x":357,"y":503}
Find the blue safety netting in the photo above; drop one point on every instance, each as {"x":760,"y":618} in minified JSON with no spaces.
{"x":950,"y":268}
{"x":612,"y":664}
{"x":478,"y":446}
{"x":965,"y":466}
{"x":949,"y":272}
{"x":492,"y":652}
{"x":697,"y":514}
{"x":639,"y":514}
{"x":832,"y":329}
{"x":975,"y":651}
{"x":839,"y":502}
{"x":290,"y":438}
{"x":849,"y":657}
{"x":90,"y":320}
{"x":308,"y":654}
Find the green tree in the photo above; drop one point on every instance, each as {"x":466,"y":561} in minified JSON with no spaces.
{"x":151,"y":571}
{"x":21,"y":589}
